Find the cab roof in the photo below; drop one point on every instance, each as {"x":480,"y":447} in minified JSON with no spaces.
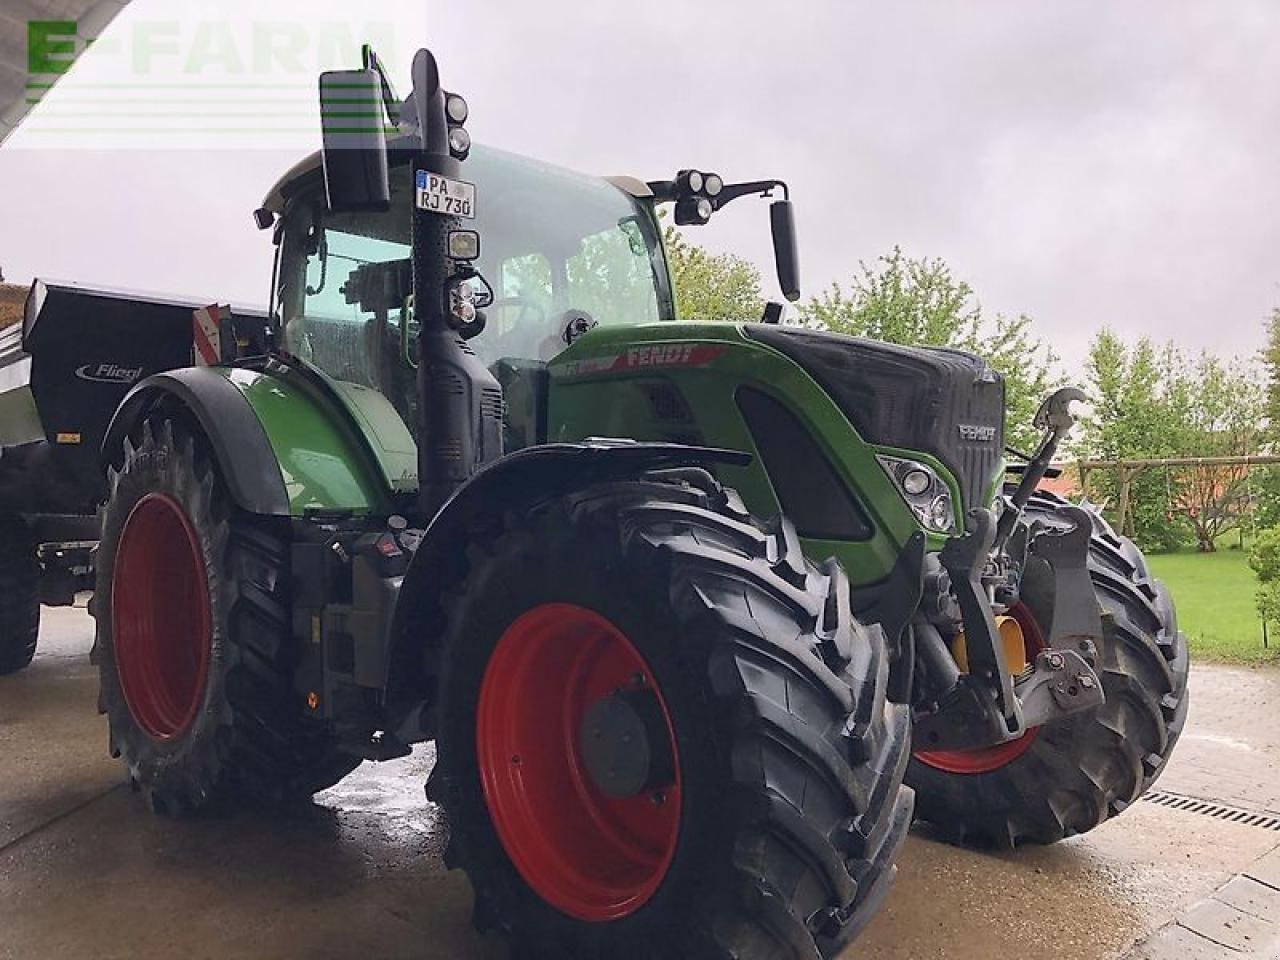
{"x":306,"y":171}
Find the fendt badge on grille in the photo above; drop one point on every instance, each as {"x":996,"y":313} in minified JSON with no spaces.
{"x":969,"y":431}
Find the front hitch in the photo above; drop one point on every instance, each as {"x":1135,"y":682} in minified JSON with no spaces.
{"x":988,"y":706}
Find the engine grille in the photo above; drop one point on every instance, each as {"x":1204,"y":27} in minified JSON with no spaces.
{"x":946,"y":403}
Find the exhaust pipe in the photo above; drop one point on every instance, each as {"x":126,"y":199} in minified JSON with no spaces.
{"x":460,"y":403}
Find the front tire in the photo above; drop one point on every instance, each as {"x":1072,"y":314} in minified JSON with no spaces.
{"x":774,"y":830}
{"x":19,"y":595}
{"x":1071,"y":776}
{"x":193,"y":637}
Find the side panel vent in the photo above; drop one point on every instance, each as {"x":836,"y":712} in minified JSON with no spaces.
{"x":810,"y":491}
{"x":491,"y":403}
{"x":666,"y":402}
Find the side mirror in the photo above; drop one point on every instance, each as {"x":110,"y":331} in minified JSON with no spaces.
{"x":782,"y":221}
{"x":698,"y":195}
{"x":354,"y":145}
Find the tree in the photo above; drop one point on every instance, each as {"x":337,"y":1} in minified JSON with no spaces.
{"x":1151,"y":403}
{"x":1264,"y":558}
{"x":1271,"y":362}
{"x":1220,"y":409}
{"x":901,"y":301}
{"x":712,"y":286}
{"x":1268,"y":480}
{"x":908,"y":301}
{"x":611,"y":276}
{"x":1130,"y":420}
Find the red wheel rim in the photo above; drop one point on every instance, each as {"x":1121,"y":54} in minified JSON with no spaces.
{"x":160,"y":619}
{"x":988,"y":759}
{"x":592,"y":856}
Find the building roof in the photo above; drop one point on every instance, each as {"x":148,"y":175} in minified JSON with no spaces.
{"x":18,"y":87}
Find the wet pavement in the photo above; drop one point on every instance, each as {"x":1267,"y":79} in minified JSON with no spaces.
{"x":86,"y":871}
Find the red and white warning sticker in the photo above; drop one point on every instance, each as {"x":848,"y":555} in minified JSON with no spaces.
{"x":206,"y":335}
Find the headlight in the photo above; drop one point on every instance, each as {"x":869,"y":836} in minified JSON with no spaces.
{"x":916,"y":482}
{"x":924,"y":491}
{"x":940,"y":515}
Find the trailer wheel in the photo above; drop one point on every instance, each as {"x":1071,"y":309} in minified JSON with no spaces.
{"x":663,"y":734}
{"x":19,"y":595}
{"x":1069,"y":777}
{"x":192,"y":639}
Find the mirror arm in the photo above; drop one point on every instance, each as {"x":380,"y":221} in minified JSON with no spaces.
{"x":390,"y":103}
{"x":667,"y":191}
{"x":664,"y":191}
{"x":763,"y":188}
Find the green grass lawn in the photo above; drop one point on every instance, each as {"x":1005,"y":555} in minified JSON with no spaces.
{"x":1214,"y":596}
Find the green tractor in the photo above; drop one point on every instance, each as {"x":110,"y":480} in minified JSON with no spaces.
{"x":322,"y":535}
{"x":397,"y":509}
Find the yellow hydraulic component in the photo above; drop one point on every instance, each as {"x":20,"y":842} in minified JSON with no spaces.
{"x":1015,"y":647}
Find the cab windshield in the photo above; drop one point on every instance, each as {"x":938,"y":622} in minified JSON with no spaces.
{"x":553,"y":243}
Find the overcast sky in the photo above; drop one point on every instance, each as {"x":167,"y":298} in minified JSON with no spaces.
{"x":1090,"y":163}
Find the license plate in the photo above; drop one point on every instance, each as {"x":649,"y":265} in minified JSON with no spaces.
{"x":453,"y":198}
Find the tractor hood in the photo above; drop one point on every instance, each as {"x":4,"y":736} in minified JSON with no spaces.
{"x":947,"y":403}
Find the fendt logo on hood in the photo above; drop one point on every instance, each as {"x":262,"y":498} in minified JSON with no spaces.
{"x":977,"y":433}
{"x":108,"y":373}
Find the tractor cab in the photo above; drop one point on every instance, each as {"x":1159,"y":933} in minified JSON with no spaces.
{"x":534,"y":256}
{"x":562,"y":252}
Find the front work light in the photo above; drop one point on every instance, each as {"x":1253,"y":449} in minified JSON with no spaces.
{"x":459,"y":140}
{"x":457,"y":109}
{"x":464,"y":244}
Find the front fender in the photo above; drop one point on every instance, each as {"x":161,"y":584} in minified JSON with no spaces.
{"x":511,"y":483}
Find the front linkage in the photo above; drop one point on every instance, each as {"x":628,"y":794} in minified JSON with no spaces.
{"x":1003,"y":562}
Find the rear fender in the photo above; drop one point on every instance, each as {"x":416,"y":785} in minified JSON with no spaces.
{"x":282,"y":450}
{"x":252,"y":473}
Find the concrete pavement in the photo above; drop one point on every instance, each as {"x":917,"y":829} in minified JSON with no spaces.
{"x":86,"y":871}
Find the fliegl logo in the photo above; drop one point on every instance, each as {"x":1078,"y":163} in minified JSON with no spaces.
{"x":108,"y":373}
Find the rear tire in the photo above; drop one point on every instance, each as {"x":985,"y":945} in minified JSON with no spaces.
{"x":1080,"y":772}
{"x":19,"y":595}
{"x":789,"y":757}
{"x":216,"y":723}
